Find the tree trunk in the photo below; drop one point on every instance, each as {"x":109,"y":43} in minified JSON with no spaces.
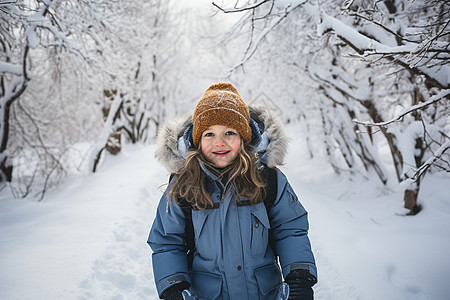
{"x":6,"y":167}
{"x":411,"y":194}
{"x":397,"y":158}
{"x":17,"y":88}
{"x":410,"y":198}
{"x":114,"y":144}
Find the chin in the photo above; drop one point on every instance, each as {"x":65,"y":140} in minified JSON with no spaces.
{"x":222,"y":165}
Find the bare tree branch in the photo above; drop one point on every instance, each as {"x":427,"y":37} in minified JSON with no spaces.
{"x":254,"y":44}
{"x":234,"y":10}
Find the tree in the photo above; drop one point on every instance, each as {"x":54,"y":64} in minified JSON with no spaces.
{"x":35,"y":35}
{"x":373,"y":59}
{"x":394,"y":31}
{"x":143,"y":45}
{"x":83,"y":76}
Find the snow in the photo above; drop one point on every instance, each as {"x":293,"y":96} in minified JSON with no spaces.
{"x":409,"y":109}
{"x":87,"y":240}
{"x":283,"y":4}
{"x":6,"y":67}
{"x":369,"y":46}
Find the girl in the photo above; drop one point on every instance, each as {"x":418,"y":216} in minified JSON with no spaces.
{"x":218,"y":157}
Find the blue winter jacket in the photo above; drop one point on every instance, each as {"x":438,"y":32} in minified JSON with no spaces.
{"x":233,"y":258}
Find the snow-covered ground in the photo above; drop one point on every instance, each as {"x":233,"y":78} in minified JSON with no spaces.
{"x":87,"y":240}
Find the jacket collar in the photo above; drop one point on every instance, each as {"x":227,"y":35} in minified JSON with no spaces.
{"x":174,"y":139}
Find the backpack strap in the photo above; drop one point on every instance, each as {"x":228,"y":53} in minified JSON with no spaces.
{"x":189,"y":242}
{"x":271,"y":179}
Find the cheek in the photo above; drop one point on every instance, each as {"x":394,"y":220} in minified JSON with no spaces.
{"x":205,"y":153}
{"x":236,"y":146}
{"x":205,"y":147}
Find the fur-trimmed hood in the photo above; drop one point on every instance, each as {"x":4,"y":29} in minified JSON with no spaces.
{"x":174,"y":139}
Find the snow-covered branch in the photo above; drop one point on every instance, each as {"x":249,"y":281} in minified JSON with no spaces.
{"x":430,"y":162}
{"x":367,"y":46}
{"x":102,"y":140}
{"x":6,"y":67}
{"x":436,"y":98}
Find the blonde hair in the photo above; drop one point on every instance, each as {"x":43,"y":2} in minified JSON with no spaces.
{"x":243,"y":173}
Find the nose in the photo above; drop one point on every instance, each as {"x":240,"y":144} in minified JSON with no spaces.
{"x":219,"y":142}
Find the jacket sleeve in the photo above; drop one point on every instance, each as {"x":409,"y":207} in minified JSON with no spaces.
{"x":289,"y":223}
{"x":167,"y":240}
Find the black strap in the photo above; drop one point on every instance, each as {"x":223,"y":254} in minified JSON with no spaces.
{"x":189,"y":242}
{"x":270,"y":177}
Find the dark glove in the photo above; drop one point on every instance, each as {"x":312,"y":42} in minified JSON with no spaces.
{"x":175,"y":291}
{"x":300,"y":282}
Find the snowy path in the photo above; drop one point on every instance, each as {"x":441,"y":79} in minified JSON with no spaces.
{"x":88,"y":240}
{"x":306,"y":181}
{"x":123,"y":270}
{"x":364,"y":247}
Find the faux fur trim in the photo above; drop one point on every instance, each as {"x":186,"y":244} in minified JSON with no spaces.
{"x":274,"y":129}
{"x":168,"y":154}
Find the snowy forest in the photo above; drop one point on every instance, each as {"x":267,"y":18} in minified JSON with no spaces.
{"x":362,"y":86}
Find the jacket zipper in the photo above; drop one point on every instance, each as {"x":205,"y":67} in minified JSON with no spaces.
{"x":256,"y":226}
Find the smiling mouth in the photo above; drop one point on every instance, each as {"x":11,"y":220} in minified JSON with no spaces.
{"x":221,"y":153}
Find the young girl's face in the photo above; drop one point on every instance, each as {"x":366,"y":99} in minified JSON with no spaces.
{"x":220,"y":145}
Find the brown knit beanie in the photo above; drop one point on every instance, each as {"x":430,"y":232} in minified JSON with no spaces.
{"x":221,"y":105}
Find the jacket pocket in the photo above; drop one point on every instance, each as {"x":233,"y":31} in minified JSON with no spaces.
{"x":207,"y":286}
{"x":198,"y":220}
{"x":268,"y":279}
{"x":259,"y":230}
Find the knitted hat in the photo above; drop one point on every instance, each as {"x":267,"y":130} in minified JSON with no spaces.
{"x":221,"y":105}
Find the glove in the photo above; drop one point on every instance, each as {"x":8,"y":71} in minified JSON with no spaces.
{"x":300,"y":282}
{"x":175,"y":292}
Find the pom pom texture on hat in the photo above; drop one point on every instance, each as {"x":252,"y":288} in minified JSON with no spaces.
{"x":221,"y":104}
